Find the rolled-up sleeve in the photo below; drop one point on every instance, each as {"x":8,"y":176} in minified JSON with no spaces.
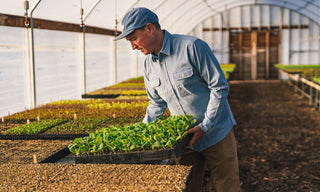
{"x":211,"y":72}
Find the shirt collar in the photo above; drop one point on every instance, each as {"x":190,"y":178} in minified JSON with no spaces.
{"x":166,"y":43}
{"x":165,"y":50}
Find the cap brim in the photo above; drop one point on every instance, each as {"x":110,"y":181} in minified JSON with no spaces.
{"x":123,"y":34}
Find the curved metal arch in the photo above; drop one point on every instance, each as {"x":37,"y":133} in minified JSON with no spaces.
{"x":294,"y":6}
{"x":187,"y":14}
{"x":185,"y":24}
{"x":182,"y":7}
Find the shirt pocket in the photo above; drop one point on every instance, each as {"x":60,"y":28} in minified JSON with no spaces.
{"x":185,"y":81}
{"x":155,"y":85}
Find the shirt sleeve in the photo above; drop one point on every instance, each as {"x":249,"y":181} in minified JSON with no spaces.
{"x":211,"y":72}
{"x":156,"y":106}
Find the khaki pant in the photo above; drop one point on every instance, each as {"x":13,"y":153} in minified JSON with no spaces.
{"x":222,"y":162}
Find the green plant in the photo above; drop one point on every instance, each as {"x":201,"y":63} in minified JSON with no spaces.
{"x":316,"y":79}
{"x":84,"y":125}
{"x":162,"y":133}
{"x":34,"y":128}
{"x":117,"y":105}
{"x":140,"y":97}
{"x":227,"y":69}
{"x":136,"y":78}
{"x":75,"y":102}
{"x":129,"y":85}
{"x":134,"y":92}
{"x":292,"y":66}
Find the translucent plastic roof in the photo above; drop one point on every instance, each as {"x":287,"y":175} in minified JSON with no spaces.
{"x":178,"y":16}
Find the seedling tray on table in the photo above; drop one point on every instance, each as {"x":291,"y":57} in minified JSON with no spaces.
{"x":161,"y":156}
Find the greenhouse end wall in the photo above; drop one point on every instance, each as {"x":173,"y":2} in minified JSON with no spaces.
{"x":299,"y":34}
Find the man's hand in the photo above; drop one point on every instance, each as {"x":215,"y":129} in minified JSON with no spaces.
{"x":197,"y":134}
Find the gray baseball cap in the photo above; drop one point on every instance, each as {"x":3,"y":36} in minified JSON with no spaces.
{"x":135,"y":19}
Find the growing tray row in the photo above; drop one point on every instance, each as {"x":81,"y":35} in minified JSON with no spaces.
{"x":157,"y":141}
{"x":117,"y":141}
{"x":62,"y":126}
{"x":136,"y":87}
{"x":130,"y":87}
{"x":81,"y":109}
{"x":162,"y":133}
{"x":311,"y":72}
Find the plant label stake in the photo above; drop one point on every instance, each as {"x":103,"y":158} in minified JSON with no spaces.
{"x":38,"y":118}
{"x":46,"y":175}
{"x":28,"y":121}
{"x":2,"y":119}
{"x":75,"y":116}
{"x":35,"y":159}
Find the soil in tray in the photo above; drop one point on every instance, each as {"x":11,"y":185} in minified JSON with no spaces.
{"x":22,"y":151}
{"x":9,"y":123}
{"x":92,"y":177}
{"x":6,"y":126}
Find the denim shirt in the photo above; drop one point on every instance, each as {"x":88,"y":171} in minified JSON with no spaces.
{"x":187,"y":78}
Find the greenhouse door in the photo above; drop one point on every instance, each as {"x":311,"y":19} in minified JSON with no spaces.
{"x":254,"y":53}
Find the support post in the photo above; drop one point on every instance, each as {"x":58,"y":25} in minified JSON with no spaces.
{"x":83,"y":45}
{"x":254,"y":55}
{"x":31,"y":62}
{"x":83,"y":62}
{"x":267,"y":54}
{"x":115,"y":77}
{"x":83,"y":52}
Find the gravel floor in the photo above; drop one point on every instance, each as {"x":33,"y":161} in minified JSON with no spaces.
{"x":278,"y":134}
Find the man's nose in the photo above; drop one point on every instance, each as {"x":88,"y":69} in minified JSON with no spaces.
{"x":134,"y":46}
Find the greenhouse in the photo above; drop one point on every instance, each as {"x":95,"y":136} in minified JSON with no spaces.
{"x":66,"y":84}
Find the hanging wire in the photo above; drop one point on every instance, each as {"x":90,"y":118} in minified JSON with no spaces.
{"x":26,"y":8}
{"x":132,"y":6}
{"x":160,"y":5}
{"x":82,"y":25}
{"x":116,"y":18}
{"x":90,"y":11}
{"x":206,"y":2}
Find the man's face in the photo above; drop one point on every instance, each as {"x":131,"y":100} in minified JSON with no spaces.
{"x":142,"y":39}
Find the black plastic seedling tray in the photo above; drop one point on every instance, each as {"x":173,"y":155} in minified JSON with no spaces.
{"x":163,"y":156}
{"x":42,"y":136}
{"x":100,"y":96}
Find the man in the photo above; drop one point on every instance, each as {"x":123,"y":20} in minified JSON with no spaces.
{"x":181,"y":73}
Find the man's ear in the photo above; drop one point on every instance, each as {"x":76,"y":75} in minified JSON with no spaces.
{"x":149,"y":27}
